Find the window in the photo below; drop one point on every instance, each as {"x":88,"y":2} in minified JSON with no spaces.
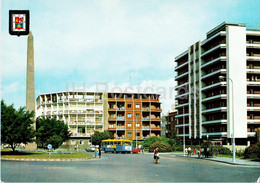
{"x":73,"y":142}
{"x":129,"y":115}
{"x":129,"y":105}
{"x":137,"y":124}
{"x":129,"y":134}
{"x":81,"y":142}
{"x":137,"y":106}
{"x":129,"y":124}
{"x":138,"y":115}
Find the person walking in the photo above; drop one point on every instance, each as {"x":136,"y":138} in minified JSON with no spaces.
{"x":142,"y":150}
{"x":96,"y":152}
{"x":199,"y":153}
{"x":194,"y":151}
{"x":189,"y":151}
{"x":99,"y":152}
{"x":156,"y":155}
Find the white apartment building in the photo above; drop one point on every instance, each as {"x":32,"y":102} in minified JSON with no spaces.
{"x":218,"y":81}
{"x":81,"y":111}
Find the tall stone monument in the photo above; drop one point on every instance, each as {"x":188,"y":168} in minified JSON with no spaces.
{"x":30,"y":90}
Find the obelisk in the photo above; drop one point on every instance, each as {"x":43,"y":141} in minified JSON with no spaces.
{"x":30,"y":89}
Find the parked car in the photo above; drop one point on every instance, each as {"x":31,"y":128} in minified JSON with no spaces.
{"x":136,"y":150}
{"x":90,"y":149}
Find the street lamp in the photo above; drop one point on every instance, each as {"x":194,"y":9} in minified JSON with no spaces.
{"x":233,"y":124}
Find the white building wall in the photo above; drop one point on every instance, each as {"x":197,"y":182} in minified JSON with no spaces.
{"x":236,"y":71}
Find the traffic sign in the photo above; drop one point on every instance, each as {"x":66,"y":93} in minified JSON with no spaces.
{"x":49,"y":146}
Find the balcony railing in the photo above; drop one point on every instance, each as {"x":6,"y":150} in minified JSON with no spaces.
{"x":146,"y":128}
{"x":146,"y":109}
{"x":147,"y":118}
{"x":120,"y":118}
{"x":214,"y":109}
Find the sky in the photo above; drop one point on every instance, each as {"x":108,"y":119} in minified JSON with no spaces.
{"x":109,"y":44}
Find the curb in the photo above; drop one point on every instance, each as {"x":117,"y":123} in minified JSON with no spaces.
{"x":220,"y":161}
{"x":71,"y":159}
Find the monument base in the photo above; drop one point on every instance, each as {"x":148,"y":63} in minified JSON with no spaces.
{"x":31,"y":146}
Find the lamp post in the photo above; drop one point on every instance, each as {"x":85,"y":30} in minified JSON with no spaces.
{"x":183,"y":132}
{"x":233,"y":124}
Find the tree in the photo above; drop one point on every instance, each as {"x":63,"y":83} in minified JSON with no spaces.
{"x":16,"y":125}
{"x":97,"y":137}
{"x":51,"y":131}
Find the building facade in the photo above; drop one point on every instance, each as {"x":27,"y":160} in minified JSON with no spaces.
{"x":170,"y":122}
{"x":218,"y":84}
{"x":125,"y":115}
{"x":134,"y":116}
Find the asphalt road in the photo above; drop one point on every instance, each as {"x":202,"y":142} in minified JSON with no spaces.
{"x":127,"y":168}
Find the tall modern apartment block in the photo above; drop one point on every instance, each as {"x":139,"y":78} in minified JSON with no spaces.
{"x":132,"y":116}
{"x":218,"y":83}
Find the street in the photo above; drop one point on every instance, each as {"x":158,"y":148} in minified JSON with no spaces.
{"x":127,"y":168}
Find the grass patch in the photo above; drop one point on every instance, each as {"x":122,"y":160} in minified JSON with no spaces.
{"x":42,"y":155}
{"x":238,"y":157}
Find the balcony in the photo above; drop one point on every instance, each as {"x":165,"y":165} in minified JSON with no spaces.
{"x":120,"y":128}
{"x":181,"y":125}
{"x":181,"y":55}
{"x":182,"y":65}
{"x":181,"y":85}
{"x":181,"y":135}
{"x":252,"y":58}
{"x":182,"y":105}
{"x":220,"y":71}
{"x":253,"y":108}
{"x":251,"y":134}
{"x":146,"y":109}
{"x":253,"y":71}
{"x":213,"y":49}
{"x":253,"y":45}
{"x":219,"y":121}
{"x":215,"y":85}
{"x":156,"y":119}
{"x":182,"y":115}
{"x":182,"y":95}
{"x":182,"y":75}
{"x":208,"y":99}
{"x":224,"y":134}
{"x":120,"y":118}
{"x":221,"y":33}
{"x":146,"y":119}
{"x":217,"y":109}
{"x":121,"y":109}
{"x":253,"y":83}
{"x":222,"y":59}
{"x":253,"y":121}
{"x":145,"y":127}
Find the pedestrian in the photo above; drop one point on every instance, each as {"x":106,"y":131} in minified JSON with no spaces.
{"x":189,"y":151}
{"x":194,"y":151}
{"x":186,"y":150}
{"x":205,"y":152}
{"x":95,"y":152}
{"x":142,"y":150}
{"x":99,"y":152}
{"x":75,"y":148}
{"x":156,"y":155}
{"x":199,"y":153}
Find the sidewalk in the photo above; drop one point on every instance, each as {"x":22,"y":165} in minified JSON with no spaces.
{"x":223,"y":159}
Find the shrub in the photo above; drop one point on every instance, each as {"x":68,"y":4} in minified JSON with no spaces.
{"x":221,"y":150}
{"x":253,"y":151}
{"x":162,"y":147}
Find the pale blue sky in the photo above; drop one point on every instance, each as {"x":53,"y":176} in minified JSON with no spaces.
{"x":87,"y":41}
